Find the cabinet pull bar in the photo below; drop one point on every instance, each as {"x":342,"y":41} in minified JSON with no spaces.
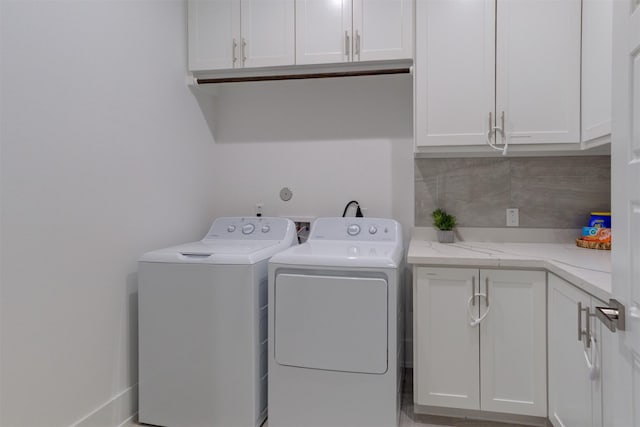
{"x":473,"y":290}
{"x":347,"y":44}
{"x":244,"y":54}
{"x":579,"y":321}
{"x":234,"y":46}
{"x":503,"y":131}
{"x":588,"y":334}
{"x":358,"y":44}
{"x":487,"y":291}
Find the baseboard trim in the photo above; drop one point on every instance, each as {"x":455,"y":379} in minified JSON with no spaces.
{"x":434,"y":415}
{"x":129,"y":420}
{"x":115,"y":412}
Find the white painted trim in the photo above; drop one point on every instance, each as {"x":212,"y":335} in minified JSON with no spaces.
{"x":525,"y":150}
{"x":115,"y":412}
{"x":424,"y":411}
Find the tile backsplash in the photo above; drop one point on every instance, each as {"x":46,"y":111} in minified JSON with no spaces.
{"x":550,"y":192}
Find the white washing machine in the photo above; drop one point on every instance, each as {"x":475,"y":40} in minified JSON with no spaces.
{"x":336,"y":326}
{"x":203,"y":326}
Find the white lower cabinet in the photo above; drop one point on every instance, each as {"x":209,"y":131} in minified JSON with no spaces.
{"x":480,"y":340}
{"x":575,"y":384}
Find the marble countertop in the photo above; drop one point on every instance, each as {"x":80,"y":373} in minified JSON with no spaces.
{"x":587,"y":269}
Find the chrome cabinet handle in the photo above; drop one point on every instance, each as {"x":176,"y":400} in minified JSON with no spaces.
{"x":347,"y":44}
{"x":244,"y":54}
{"x":586,"y":333}
{"x":486,"y":294}
{"x":587,"y":317}
{"x":579,"y":321}
{"x":358,"y":44}
{"x":503,"y":130}
{"x":473,"y":290}
{"x":234,"y":46}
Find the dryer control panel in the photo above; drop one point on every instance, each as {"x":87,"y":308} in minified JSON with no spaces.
{"x":250,"y":228}
{"x":358,"y":229}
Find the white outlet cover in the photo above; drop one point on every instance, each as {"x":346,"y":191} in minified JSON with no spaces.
{"x":513,"y":217}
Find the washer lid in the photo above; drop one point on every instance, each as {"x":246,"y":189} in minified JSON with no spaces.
{"x":218,"y":252}
{"x":232,"y":240}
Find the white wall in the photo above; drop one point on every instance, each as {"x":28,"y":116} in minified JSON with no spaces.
{"x":104,"y":156}
{"x":328,"y":140}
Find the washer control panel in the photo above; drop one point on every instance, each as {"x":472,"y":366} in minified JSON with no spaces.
{"x":249,"y":228}
{"x":358,"y":229}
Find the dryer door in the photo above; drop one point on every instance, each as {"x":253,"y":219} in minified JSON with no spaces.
{"x":331,"y":322}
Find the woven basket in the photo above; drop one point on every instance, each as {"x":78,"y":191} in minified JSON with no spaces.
{"x":588,"y":244}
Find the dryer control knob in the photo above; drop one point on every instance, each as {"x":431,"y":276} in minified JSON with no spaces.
{"x":248,"y":228}
{"x":353,"y":230}
{"x":231,"y":228}
{"x":265,"y":228}
{"x":373,"y":229}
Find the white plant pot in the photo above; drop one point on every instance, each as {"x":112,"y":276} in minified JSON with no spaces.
{"x":445,"y":236}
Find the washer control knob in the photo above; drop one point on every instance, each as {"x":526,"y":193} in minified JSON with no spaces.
{"x":353,"y":230}
{"x":373,"y":229}
{"x":265,"y":228}
{"x":231,"y":228}
{"x":248,"y":228}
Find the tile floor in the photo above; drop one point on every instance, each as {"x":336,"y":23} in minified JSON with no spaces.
{"x":408,"y":418}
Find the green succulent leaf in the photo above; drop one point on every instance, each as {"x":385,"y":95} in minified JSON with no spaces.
{"x":442,"y":220}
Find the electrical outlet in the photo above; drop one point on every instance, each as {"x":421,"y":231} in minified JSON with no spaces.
{"x":513,"y":217}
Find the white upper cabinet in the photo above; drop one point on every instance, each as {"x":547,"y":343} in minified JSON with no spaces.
{"x":225,"y":34}
{"x":505,"y":64}
{"x":597,"y":28}
{"x":214,"y":32}
{"x":333,"y":31}
{"x":268,"y":32}
{"x":538,"y":70}
{"x":323,"y":31}
{"x":382,"y":29}
{"x":455,"y":84}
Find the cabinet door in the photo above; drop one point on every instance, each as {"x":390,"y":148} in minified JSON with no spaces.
{"x":268,"y":28}
{"x":214,"y":34}
{"x":323,"y":31}
{"x":455,"y":71}
{"x":382,"y":29}
{"x":538,"y":70}
{"x":513,"y":354}
{"x":447,"y":347}
{"x":597,"y":28}
{"x":595,"y":370}
{"x":572,"y":400}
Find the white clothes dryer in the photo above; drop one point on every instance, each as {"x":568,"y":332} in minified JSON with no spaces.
{"x":203,"y":326}
{"x":336,"y":326}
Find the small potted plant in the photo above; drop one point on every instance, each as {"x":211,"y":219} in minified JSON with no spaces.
{"x":445,"y":224}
